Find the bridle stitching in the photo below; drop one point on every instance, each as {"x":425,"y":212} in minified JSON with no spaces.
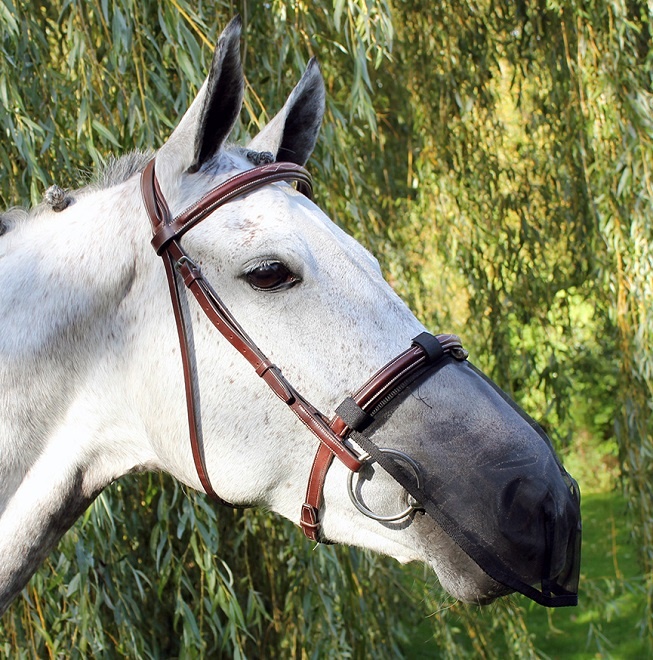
{"x":241,"y":190}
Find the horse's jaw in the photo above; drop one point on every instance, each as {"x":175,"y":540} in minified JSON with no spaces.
{"x":458,"y":575}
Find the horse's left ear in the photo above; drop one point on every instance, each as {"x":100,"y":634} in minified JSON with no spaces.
{"x":291,"y":135}
{"x":207,"y":123}
{"x":223,"y":98}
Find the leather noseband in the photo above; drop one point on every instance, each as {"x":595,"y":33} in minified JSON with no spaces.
{"x":426,"y":353}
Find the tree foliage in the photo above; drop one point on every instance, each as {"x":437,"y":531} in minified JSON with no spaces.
{"x":496,"y":156}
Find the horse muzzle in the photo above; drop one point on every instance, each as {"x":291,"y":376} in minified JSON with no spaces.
{"x":486,"y":474}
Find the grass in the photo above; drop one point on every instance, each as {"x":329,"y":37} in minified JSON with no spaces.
{"x":604,"y":625}
{"x":612,"y":598}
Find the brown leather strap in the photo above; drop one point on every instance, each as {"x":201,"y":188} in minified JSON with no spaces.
{"x":166,"y":234}
{"x":236,"y":186}
{"x":159,"y":214}
{"x":374,"y":393}
{"x":367,"y":398}
{"x":219,"y":315}
{"x":194,"y":422}
{"x":398,"y":370}
{"x":310,"y":514}
{"x":155,"y":203}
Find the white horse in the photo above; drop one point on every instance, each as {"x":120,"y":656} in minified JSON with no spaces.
{"x":91,"y":383}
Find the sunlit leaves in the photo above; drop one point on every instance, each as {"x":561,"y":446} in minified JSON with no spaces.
{"x":496,"y":157}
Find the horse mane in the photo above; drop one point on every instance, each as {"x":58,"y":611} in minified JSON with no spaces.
{"x":115,"y":171}
{"x":112,"y":173}
{"x":10,"y":218}
{"x":118,"y":170}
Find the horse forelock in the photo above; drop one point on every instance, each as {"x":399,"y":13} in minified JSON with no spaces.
{"x":230,"y":158}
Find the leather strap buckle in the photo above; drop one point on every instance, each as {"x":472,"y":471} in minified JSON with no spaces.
{"x":309,"y":522}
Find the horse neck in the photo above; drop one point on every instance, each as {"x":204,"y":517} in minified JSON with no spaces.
{"x":66,"y":430}
{"x":62,"y":276}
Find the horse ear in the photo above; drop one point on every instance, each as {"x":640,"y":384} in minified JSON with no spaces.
{"x":224,"y":96}
{"x":207,"y":123}
{"x":291,"y":135}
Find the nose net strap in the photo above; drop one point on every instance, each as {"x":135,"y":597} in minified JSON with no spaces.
{"x":548,"y":527}
{"x":355,"y":413}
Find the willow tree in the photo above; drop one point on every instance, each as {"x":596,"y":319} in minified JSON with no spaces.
{"x":496,"y":156}
{"x":530,"y":133}
{"x":151,"y":571}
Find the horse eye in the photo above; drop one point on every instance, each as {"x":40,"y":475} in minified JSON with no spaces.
{"x":271,"y":276}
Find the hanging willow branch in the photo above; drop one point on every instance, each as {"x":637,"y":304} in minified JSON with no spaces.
{"x":496,"y":156}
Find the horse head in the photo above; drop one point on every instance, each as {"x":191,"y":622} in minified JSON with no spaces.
{"x":482,"y":497}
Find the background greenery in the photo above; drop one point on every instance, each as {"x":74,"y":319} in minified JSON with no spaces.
{"x":496,"y":155}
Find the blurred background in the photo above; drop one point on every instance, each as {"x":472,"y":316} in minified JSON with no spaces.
{"x":496,"y":156}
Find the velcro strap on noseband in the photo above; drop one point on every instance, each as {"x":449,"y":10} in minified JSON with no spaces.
{"x":432,"y":347}
{"x":353,"y":415}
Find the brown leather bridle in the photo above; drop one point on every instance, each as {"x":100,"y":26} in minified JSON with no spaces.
{"x":354,"y":414}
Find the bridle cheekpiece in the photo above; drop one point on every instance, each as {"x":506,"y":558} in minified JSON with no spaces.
{"x":426,"y":353}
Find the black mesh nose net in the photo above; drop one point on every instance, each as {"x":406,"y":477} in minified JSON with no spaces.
{"x":507,"y":502}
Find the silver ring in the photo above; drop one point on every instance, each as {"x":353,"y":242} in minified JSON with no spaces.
{"x":412,"y":505}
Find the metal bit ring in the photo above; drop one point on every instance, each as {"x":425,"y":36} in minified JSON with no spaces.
{"x":412,"y":504}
